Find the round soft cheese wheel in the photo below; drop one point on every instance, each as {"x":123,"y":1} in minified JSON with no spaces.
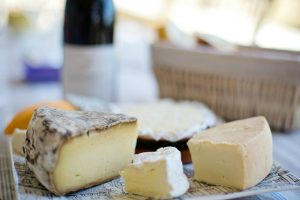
{"x":167,"y":120}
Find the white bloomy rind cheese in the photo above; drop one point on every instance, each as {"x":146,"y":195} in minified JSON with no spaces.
{"x":181,"y":120}
{"x":156,"y":174}
{"x":236,"y":154}
{"x":72,"y":150}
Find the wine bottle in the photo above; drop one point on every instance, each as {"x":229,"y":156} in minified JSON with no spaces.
{"x":89,"y":59}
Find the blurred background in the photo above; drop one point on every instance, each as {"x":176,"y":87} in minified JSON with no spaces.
{"x":31,"y":33}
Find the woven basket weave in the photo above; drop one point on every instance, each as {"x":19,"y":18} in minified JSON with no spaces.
{"x":233,"y":88}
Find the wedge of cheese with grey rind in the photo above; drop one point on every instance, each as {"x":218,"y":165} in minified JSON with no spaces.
{"x":236,"y":154}
{"x":72,"y":150}
{"x":156,"y":174}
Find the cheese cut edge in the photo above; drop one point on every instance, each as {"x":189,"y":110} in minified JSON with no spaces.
{"x":107,"y":156}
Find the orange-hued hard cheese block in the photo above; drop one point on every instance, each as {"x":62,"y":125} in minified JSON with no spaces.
{"x":22,"y":118}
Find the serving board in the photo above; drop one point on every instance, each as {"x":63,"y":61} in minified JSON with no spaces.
{"x":279,"y":179}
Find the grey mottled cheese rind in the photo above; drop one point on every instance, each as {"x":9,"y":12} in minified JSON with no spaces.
{"x":50,"y":128}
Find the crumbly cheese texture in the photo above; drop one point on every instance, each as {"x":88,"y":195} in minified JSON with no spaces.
{"x":236,"y":154}
{"x":72,"y":150}
{"x":18,"y":141}
{"x":171,"y":121}
{"x":156,"y":174}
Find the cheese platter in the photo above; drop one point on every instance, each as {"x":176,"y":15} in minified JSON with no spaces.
{"x":235,"y":160}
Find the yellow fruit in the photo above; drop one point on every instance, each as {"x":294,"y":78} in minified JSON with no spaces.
{"x":22,"y":118}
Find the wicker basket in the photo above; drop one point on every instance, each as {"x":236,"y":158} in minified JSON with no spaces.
{"x":235,"y":85}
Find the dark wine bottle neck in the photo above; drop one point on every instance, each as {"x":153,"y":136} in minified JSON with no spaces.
{"x":89,"y":22}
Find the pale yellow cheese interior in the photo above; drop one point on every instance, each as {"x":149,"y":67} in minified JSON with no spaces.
{"x":236,"y":154}
{"x":95,"y":158}
{"x":18,"y":141}
{"x":219,"y":164}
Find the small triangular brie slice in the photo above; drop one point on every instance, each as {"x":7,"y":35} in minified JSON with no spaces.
{"x":72,"y":150}
{"x":236,"y":154}
{"x":156,"y":174}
